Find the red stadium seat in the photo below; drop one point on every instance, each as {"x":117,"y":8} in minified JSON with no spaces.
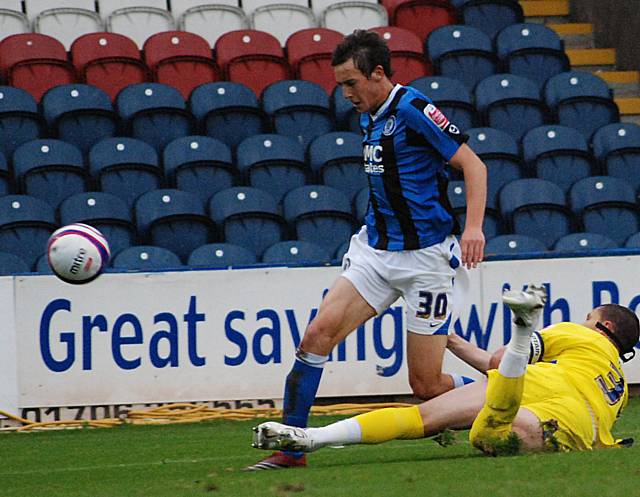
{"x":35,"y":63}
{"x":180,"y":59}
{"x":109,"y":61}
{"x":407,"y":54}
{"x":309,"y":52}
{"x":253,"y":58}
{"x":420,"y":16}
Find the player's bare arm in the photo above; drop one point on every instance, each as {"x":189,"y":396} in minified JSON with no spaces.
{"x":475,"y":180}
{"x":469,"y":353}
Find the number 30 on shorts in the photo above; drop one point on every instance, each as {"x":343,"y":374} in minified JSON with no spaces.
{"x":427,"y":304}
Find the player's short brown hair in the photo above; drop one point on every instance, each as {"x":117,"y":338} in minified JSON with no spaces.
{"x":367,"y":49}
{"x":626,"y":326}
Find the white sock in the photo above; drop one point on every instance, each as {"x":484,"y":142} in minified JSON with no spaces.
{"x":513,"y":364}
{"x":520,"y":341}
{"x":345,"y":432}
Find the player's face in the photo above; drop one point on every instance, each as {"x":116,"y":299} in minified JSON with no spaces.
{"x":363,"y":93}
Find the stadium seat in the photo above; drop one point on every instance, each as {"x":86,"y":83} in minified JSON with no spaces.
{"x":250,"y":6}
{"x":79,"y":114}
{"x":606,"y":205}
{"x":109,"y":61}
{"x":319,"y":214}
{"x":104,"y":211}
{"x":617,"y":148}
{"x":510,"y":103}
{"x":212,"y":20}
{"x":490,"y":16}
{"x":457,"y":199}
{"x":180,"y":7}
{"x":125,"y":167}
{"x":581,"y":100}
{"x":56,"y":18}
{"x":408,"y":60}
{"x":531,"y":50}
{"x":342,"y":250}
{"x":347,"y":16}
{"x":12,"y":20}
{"x":309,"y":53}
{"x":513,"y":244}
{"x":12,"y":264}
{"x":20,"y":121}
{"x":227,"y":111}
{"x":294,"y":252}
{"x":499,"y":151}
{"x":25,"y":226}
{"x":461,"y":52}
{"x":536,"y":207}
{"x":346,"y":117}
{"x":274,"y":163}
{"x":361,"y":204}
{"x":139,"y":21}
{"x":420,"y":16}
{"x":154,"y":113}
{"x":298,"y":109}
{"x":199,"y":164}
{"x":576,"y":242}
{"x":282,"y":19}
{"x":336,"y":160}
{"x":558,"y":154}
{"x":452,"y":98}
{"x":248,"y":217}
{"x":50,"y":170}
{"x":35,"y":63}
{"x":6,"y":179}
{"x":180,"y":59}
{"x":253,"y":58}
{"x":174,"y":220}
{"x":221,"y":256}
{"x":633,"y":241}
{"x":146,"y":258}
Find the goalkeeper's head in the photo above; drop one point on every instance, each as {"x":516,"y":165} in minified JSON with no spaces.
{"x":621,"y":325}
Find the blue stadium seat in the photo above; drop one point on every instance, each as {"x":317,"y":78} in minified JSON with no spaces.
{"x":174,"y":220}
{"x":154,"y":113}
{"x":607,"y":206}
{"x":531,"y":50}
{"x":50,"y":170}
{"x":510,"y":103}
{"x":275,"y":163}
{"x":299,"y":109}
{"x":6,"y":179}
{"x":12,"y":264}
{"x":490,"y":16}
{"x":221,"y":255}
{"x":199,"y":164}
{"x":227,"y":111}
{"x":461,"y":52}
{"x":42,"y":265}
{"x":319,"y":214}
{"x":584,"y":241}
{"x":558,"y":154}
{"x":581,"y":100}
{"x":633,"y":241}
{"x":125,"y":167}
{"x":297,"y":252}
{"x":19,"y":119}
{"x":457,"y":198}
{"x":336,"y":159}
{"x":25,"y":226}
{"x":106,"y":212}
{"x":146,"y":257}
{"x":536,"y":207}
{"x":79,"y":114}
{"x":452,"y":98}
{"x":617,"y":149}
{"x":499,"y":151}
{"x":361,"y":204}
{"x":342,"y":250}
{"x":248,"y":217}
{"x":512,"y":244}
{"x":345,"y":115}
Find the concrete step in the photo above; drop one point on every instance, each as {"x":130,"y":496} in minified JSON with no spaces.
{"x":623,"y":83}
{"x":592,"y":59}
{"x":574,"y":34}
{"x":545,"y":11}
{"x":629,"y":109}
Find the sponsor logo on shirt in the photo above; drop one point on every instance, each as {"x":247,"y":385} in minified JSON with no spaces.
{"x":436,"y":117}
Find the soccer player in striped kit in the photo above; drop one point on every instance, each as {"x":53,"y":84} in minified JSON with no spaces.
{"x":408,"y":246}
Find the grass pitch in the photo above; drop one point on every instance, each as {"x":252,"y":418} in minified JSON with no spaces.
{"x":206,"y":459}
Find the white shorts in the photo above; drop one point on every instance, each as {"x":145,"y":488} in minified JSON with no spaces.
{"x":432,"y":281}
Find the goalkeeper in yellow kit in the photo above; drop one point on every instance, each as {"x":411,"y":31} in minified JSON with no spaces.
{"x":558,"y":389}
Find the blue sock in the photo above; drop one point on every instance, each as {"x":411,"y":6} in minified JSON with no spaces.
{"x":460,"y":381}
{"x":300,"y":389}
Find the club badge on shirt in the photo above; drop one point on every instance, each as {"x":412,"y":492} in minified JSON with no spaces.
{"x":389,"y":126}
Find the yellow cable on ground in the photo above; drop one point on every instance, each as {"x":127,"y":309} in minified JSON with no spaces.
{"x":188,"y":413}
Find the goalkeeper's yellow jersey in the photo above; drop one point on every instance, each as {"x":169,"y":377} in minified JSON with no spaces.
{"x":591,"y":363}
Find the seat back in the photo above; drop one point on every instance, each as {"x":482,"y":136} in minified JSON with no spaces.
{"x":140,"y":21}
{"x":53,"y":20}
{"x":347,"y":16}
{"x":617,"y":149}
{"x":12,"y":264}
{"x":309,"y":52}
{"x":578,"y":242}
{"x":13,"y":21}
{"x":407,"y":53}
{"x":221,"y":256}
{"x":211,"y":21}
{"x":421,"y":17}
{"x":490,"y":16}
{"x":20,"y":121}
{"x":344,"y":114}
{"x":293,"y":252}
{"x":513,"y":244}
{"x":146,"y":258}
{"x":452,"y":98}
{"x":282,"y":20}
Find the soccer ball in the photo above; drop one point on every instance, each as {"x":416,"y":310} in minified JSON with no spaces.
{"x":77,"y":253}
